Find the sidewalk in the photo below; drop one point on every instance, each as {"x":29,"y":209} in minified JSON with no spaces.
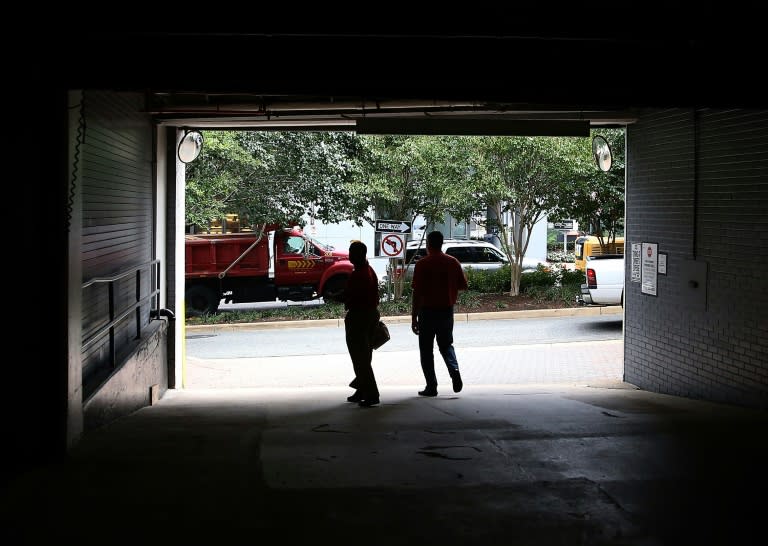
{"x":566,"y":362}
{"x":574,"y":363}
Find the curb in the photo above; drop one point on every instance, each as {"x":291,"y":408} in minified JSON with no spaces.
{"x":458,"y":317}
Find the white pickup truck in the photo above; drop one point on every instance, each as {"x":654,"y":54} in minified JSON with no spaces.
{"x":605,"y":281}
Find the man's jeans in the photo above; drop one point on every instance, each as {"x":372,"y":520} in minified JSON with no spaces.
{"x":436,"y":325}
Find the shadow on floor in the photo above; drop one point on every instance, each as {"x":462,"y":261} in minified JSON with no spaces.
{"x":536,"y":464}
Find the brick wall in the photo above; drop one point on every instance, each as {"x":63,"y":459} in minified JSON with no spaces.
{"x":697,"y":184}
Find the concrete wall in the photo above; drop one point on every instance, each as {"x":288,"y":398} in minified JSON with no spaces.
{"x":697,"y":185}
{"x":139,"y":381}
{"x":122,"y":226}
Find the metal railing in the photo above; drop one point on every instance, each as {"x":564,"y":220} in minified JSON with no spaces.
{"x":116,"y":316}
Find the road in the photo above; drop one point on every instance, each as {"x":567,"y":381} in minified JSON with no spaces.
{"x":325,"y":340}
{"x":573,"y":349}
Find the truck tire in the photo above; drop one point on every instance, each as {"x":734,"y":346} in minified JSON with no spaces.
{"x":333,"y":291}
{"x":200,"y":300}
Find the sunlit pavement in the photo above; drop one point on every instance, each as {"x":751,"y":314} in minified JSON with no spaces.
{"x":516,"y":364}
{"x":568,"y":362}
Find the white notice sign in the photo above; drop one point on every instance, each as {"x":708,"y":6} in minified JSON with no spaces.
{"x":650,"y":268}
{"x":636,"y":262}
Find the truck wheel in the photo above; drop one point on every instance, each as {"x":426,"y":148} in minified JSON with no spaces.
{"x":200,"y":300}
{"x":333,"y":291}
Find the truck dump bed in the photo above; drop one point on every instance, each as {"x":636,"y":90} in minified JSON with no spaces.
{"x":209,"y":255}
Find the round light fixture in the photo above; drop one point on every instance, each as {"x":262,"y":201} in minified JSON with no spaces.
{"x":190,"y":146}
{"x":602,"y":153}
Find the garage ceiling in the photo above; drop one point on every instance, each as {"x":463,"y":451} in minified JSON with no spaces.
{"x":545,"y":80}
{"x":375,"y":115}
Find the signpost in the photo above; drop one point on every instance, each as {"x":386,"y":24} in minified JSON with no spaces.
{"x":564,"y":225}
{"x":393,"y":226}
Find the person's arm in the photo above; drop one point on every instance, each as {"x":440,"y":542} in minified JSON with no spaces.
{"x":415,"y":312}
{"x":463,"y":284}
{"x":415,"y":301}
{"x":374,"y":284}
{"x":461,"y":276}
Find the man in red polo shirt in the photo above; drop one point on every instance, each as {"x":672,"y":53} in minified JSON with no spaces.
{"x":437,"y":279}
{"x":361,"y":300}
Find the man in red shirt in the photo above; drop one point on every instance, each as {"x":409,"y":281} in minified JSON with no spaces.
{"x":361,"y":300}
{"x":437,"y":279}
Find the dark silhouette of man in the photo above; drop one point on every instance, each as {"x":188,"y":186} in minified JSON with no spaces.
{"x":437,"y":279}
{"x":361,"y":300}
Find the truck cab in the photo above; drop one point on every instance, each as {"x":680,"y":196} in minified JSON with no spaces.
{"x":306,"y":269}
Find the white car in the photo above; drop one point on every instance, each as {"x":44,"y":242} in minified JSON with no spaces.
{"x":474,"y":254}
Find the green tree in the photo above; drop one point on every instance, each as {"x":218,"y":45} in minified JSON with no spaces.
{"x":597,"y":197}
{"x":519,"y":178}
{"x":216,"y":178}
{"x":270,"y":177}
{"x":408,"y":176}
{"x":274,"y":177}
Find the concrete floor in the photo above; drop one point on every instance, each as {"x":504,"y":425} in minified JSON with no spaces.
{"x":541,"y":464}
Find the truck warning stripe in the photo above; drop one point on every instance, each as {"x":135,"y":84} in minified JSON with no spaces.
{"x":301,"y":264}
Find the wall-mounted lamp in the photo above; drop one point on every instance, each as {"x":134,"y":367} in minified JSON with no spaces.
{"x":190,"y":146}
{"x":602,"y":153}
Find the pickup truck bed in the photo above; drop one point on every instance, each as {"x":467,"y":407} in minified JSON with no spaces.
{"x":605,"y":281}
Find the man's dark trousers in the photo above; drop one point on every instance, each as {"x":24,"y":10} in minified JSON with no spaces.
{"x":436,"y":324}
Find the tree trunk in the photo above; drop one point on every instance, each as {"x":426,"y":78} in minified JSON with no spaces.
{"x":515,"y":274}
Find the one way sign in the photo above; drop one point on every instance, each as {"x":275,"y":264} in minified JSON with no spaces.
{"x":393,"y":226}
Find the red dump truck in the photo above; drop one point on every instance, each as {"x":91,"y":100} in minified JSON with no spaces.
{"x":280,"y":264}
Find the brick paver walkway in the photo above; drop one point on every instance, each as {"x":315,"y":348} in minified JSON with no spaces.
{"x":577,"y":362}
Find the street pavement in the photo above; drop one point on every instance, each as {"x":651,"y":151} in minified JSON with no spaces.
{"x":489,"y":365}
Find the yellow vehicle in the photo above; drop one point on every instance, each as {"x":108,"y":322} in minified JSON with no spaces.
{"x":589,"y":245}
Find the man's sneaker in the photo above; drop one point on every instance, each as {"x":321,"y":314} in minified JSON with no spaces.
{"x":355,"y":397}
{"x":458,"y":384}
{"x":428,"y":392}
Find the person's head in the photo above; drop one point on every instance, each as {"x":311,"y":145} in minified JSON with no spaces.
{"x":357,"y":253}
{"x":435,"y":240}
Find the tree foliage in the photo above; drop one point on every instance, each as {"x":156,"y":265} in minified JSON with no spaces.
{"x":214,"y":180}
{"x":274,"y":177}
{"x":405,"y":177}
{"x":519,"y":178}
{"x":280,"y":177}
{"x":596,"y":198}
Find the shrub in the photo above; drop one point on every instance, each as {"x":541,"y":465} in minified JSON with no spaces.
{"x":394,"y":308}
{"x":572,"y":277}
{"x":489,"y":281}
{"x":541,"y":278}
{"x":557,"y":246}
{"x":469,"y":299}
{"x":565,"y":294}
